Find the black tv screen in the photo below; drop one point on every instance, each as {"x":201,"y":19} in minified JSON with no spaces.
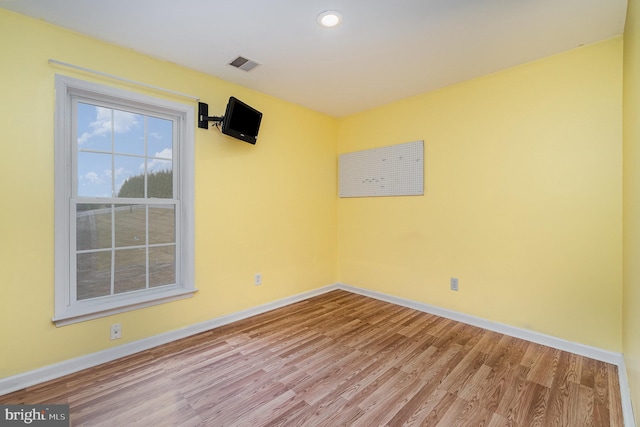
{"x":241,"y":121}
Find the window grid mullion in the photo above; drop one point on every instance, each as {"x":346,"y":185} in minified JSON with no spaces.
{"x":113,"y":250}
{"x":146,"y":197}
{"x":146,"y":249}
{"x":113,"y":157}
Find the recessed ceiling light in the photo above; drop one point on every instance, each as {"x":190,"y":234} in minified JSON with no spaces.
{"x":330,"y":18}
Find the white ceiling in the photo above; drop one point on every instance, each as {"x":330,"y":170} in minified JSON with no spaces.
{"x":383,"y":51}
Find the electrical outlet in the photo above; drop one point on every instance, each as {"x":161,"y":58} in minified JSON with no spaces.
{"x":116,"y":331}
{"x":454,"y":283}
{"x":257,"y":279}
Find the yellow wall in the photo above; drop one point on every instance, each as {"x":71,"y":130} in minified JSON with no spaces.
{"x":269,"y":208}
{"x":523,"y":198}
{"x":631,"y":290}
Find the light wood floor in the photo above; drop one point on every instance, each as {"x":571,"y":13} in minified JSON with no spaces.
{"x":341,"y":359}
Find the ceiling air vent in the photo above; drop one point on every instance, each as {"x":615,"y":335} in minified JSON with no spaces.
{"x":244,"y":63}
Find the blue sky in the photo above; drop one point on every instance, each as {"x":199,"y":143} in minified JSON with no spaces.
{"x":111,"y":148}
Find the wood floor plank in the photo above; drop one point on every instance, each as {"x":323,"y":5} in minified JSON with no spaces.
{"x":615,"y":410}
{"x":559,"y":397}
{"x":341,"y":359}
{"x":466,"y":413}
{"x":440,"y":409}
{"x":585,"y":406}
{"x":478,"y":384}
{"x":499,"y":421}
{"x":517,"y":396}
{"x":381,"y":405}
{"x":325,"y":383}
{"x":463,"y":371}
{"x":537,"y":411}
{"x":505,"y":364}
{"x":544,"y":369}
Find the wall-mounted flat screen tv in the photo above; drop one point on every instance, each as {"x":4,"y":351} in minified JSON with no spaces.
{"x":241,"y":121}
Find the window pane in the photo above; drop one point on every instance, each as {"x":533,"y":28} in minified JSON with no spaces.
{"x":160,"y":180}
{"x":93,"y":275}
{"x":159,"y":138}
{"x":129,"y":176}
{"x":130,"y":270}
{"x":130,"y":227}
{"x":94,"y":175}
{"x":93,"y":226}
{"x":162,"y":224}
{"x":128,"y":132}
{"x":162,"y":266}
{"x":94,"y":128}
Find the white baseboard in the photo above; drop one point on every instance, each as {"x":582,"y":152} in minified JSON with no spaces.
{"x":50,"y":372}
{"x":57,"y":370}
{"x":536,"y":337}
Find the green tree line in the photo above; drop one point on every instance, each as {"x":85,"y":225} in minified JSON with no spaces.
{"x":159,"y":184}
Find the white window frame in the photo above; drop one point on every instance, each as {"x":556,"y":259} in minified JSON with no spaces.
{"x":68,"y":310}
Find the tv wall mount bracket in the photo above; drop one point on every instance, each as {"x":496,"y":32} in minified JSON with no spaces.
{"x":204,"y":118}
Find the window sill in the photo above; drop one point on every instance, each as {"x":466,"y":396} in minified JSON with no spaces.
{"x":93,"y":310}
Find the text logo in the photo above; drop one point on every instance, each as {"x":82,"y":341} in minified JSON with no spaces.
{"x":34,"y":415}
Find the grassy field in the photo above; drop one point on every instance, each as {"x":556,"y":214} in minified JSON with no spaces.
{"x":124,"y":250}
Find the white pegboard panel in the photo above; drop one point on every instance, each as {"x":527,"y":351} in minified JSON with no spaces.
{"x":396,"y":170}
